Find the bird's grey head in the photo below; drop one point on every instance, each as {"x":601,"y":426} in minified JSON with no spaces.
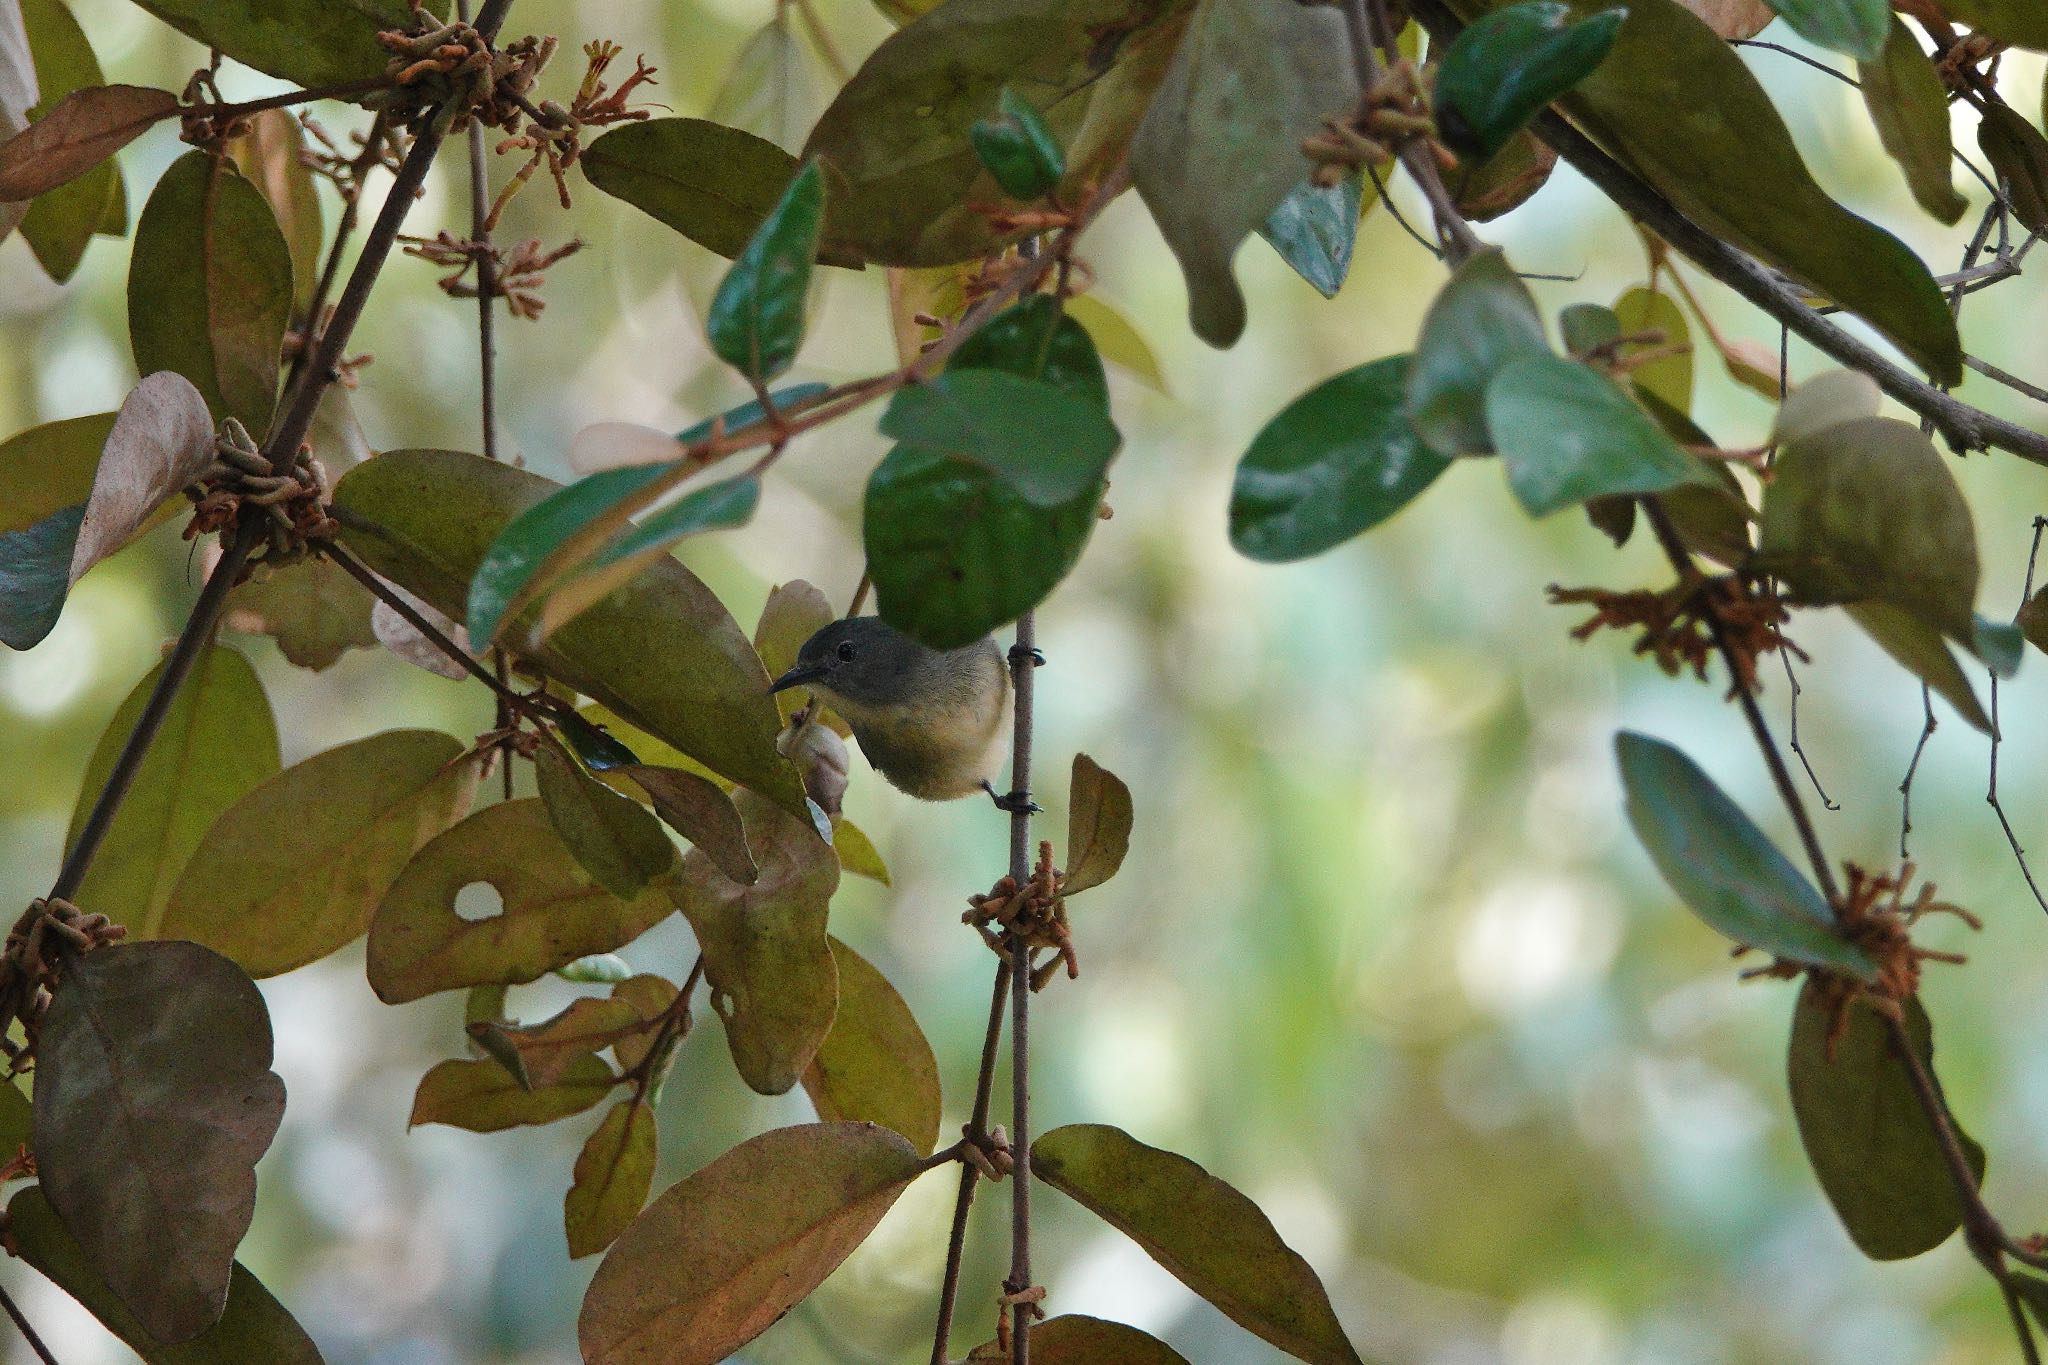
{"x":862,"y":659}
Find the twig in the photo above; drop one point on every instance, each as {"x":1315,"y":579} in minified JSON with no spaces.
{"x":2011,"y":381}
{"x":977,"y":1128}
{"x":1819,"y":66}
{"x":1366,"y":24}
{"x":1024,"y":663}
{"x":1913,"y":768}
{"x":330,"y":269}
{"x":341,"y":90}
{"x":2012,"y":837}
{"x":28,"y":1333}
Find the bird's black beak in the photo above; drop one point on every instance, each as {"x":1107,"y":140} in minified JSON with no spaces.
{"x":797,"y":677}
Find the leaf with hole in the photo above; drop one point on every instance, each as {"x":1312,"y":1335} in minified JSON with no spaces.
{"x":145,"y":1145}
{"x":1483,"y":319}
{"x":1871,"y":1143}
{"x":1722,"y":866}
{"x":295,"y":869}
{"x":217,"y":743}
{"x":875,"y":1065}
{"x":766,"y":955}
{"x":1505,"y":67}
{"x":552,"y":912}
{"x":720,"y":1256}
{"x":1213,"y":1239}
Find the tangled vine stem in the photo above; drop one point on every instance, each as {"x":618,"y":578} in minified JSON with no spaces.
{"x":1963,"y":426}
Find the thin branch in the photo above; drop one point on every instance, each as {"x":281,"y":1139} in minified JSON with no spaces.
{"x":28,"y":1333}
{"x":330,"y":269}
{"x":1366,"y":24}
{"x":1819,"y":66}
{"x":1991,"y":797}
{"x":1913,"y":769}
{"x":2011,"y":381}
{"x":976,"y":1130}
{"x":341,"y":90}
{"x":1024,"y":663}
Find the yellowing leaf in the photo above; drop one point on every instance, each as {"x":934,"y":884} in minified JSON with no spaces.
{"x":1098,"y":825}
{"x":875,"y":1064}
{"x":613,"y":1173}
{"x":484,"y":1097}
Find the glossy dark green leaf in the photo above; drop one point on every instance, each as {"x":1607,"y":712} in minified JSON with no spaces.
{"x":1506,"y":66}
{"x":620,"y":845}
{"x":1871,"y":1144}
{"x":713,"y":507}
{"x":210,"y":287}
{"x":766,"y":956}
{"x":253,"y":1327}
{"x":1072,"y":1339}
{"x":484,"y":1097}
{"x":1568,"y":434}
{"x":1336,"y":461}
{"x":715,"y":185}
{"x":146,"y":1145}
{"x":956,"y":550}
{"x":61,"y":221}
{"x":757,"y":317}
{"x":1855,"y":28}
{"x":1049,"y":443}
{"x":551,"y":912}
{"x":720,"y":1256}
{"x":1721,"y":865}
{"x":875,"y":1065}
{"x":661,"y":651}
{"x":1675,"y":103}
{"x":216,"y":744}
{"x":1211,"y":1237}
{"x":1908,"y":103}
{"x":2019,"y":154}
{"x":1314,"y":229}
{"x":306,"y":42}
{"x":613,"y":1173}
{"x":1868,"y":509}
{"x":1219,"y":148}
{"x":907,"y":181}
{"x":1484,"y":318}
{"x":1018,"y":149}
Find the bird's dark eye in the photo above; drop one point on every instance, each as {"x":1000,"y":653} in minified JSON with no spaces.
{"x":845,"y":651}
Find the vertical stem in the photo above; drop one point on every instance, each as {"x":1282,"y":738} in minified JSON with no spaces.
{"x":28,"y":1333}
{"x":977,"y":1129}
{"x":1023,"y":665}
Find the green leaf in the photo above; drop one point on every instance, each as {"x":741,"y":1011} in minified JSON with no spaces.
{"x":857,"y":852}
{"x":875,"y":1065}
{"x":1669,"y":377}
{"x":766,"y":956}
{"x":716,"y":506}
{"x":1919,"y":649}
{"x":1076,"y":1340}
{"x":700,"y":810}
{"x":313,"y":608}
{"x":146,"y":1145}
{"x":1908,"y":103}
{"x":957,"y":550}
{"x":1219,"y":148}
{"x":1314,"y":229}
{"x":484,"y":1097}
{"x":1336,"y":461}
{"x":1871,"y":1144}
{"x":661,"y":652}
{"x":715,"y":185}
{"x":620,"y":845}
{"x":552,"y":913}
{"x":217,"y":743}
{"x":1569,"y":435}
{"x":294,"y":870}
{"x":1673,"y":102}
{"x":210,"y":288}
{"x":1855,"y":28}
{"x":1213,"y":1239}
{"x":2015,"y":21}
{"x":1018,"y":149}
{"x":757,"y":317}
{"x":254,"y":1326}
{"x":1588,"y":328}
{"x":2000,"y":645}
{"x":720,"y":1256}
{"x":1098,"y":825}
{"x":1050,"y":444}
{"x":1868,"y":510}
{"x":268,"y":152}
{"x":62,"y":220}
{"x":1830,"y":399}
{"x":46,"y":475}
{"x":76,"y":133}
{"x":1722,"y":866}
{"x":774,"y":90}
{"x":906,"y":177}
{"x":1504,"y":68}
{"x":306,"y":42}
{"x":1483,"y":319}
{"x":1119,"y":340}
{"x":613,"y":1173}
{"x":2016,"y":151}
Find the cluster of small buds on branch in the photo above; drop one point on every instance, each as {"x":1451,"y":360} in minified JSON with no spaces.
{"x":294,"y":504}
{"x":383,"y":147}
{"x":1034,"y":913}
{"x":1676,"y":623}
{"x":51,"y":930}
{"x":1393,"y":112}
{"x":517,"y":276}
{"x":202,"y":121}
{"x":553,"y":136}
{"x":435,"y":64}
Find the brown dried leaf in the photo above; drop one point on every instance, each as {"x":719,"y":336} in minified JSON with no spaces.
{"x":85,"y":128}
{"x":162,"y":439}
{"x":484,"y":1097}
{"x":1098,"y":825}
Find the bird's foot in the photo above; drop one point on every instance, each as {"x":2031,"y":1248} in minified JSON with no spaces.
{"x":1016,"y":803}
{"x":1022,"y":654}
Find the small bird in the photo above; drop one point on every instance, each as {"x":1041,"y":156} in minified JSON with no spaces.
{"x":926,"y":719}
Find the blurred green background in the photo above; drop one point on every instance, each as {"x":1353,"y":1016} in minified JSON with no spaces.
{"x":1385,"y":954}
